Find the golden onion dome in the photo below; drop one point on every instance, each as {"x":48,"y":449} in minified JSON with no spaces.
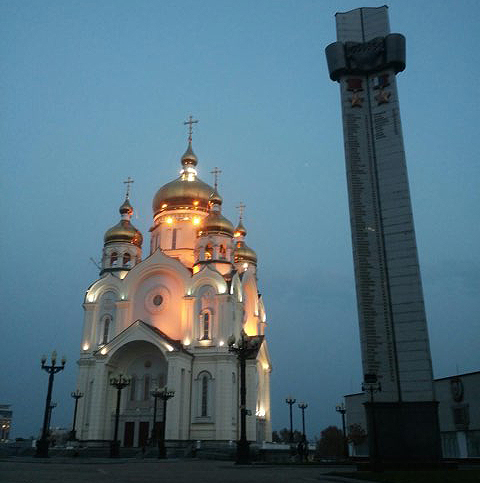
{"x":240,"y":230}
{"x":182,"y":193}
{"x":189,"y":157}
{"x":216,"y":223}
{"x":215,"y":198}
{"x":243,"y":253}
{"x":123,"y":232}
{"x":126,"y":208}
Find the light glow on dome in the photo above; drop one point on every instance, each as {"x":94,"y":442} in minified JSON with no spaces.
{"x":195,"y":203}
{"x":196,"y":219}
{"x":86,"y":346}
{"x":169,"y":220}
{"x":103,"y":351}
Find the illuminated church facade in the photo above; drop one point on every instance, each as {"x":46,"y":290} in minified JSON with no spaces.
{"x":165,"y":319}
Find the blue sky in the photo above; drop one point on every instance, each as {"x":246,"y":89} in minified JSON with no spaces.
{"x":92,"y":92}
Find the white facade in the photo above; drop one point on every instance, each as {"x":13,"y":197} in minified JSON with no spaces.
{"x":165,"y":321}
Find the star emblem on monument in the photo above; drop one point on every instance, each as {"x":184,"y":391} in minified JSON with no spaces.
{"x":383,"y":97}
{"x":356,"y":100}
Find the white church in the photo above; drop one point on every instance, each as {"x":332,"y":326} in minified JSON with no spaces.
{"x":164,"y":320}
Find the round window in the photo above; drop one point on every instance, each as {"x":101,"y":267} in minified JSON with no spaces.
{"x":157,"y":300}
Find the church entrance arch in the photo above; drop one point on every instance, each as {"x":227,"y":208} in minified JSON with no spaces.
{"x":147,"y":368}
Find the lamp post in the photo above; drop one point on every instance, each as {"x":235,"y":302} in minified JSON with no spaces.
{"x":303,"y":406}
{"x":165,"y":395}
{"x":119,"y":383}
{"x":53,"y":405}
{"x":156,"y":393}
{"x":371,"y":385}
{"x":245,"y":348}
{"x":340,"y":408}
{"x":291,"y":401}
{"x":76,"y":395}
{"x":52,"y":369}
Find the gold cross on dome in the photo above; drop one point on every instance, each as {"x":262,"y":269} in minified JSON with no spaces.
{"x":215,"y":173}
{"x":241,"y":208}
{"x":190,"y":122}
{"x":128,"y":183}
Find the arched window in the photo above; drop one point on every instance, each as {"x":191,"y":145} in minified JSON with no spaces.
{"x":174,"y":239}
{"x":208,"y":252}
{"x":223,"y":252}
{"x":113,"y":259}
{"x":205,"y":396}
{"x":133,"y":387}
{"x":204,"y":410}
{"x":206,"y":326}
{"x":146,"y":388}
{"x":106,"y":327}
{"x":126,"y":259}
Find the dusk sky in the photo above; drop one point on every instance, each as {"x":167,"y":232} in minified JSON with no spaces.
{"x":93,"y":92}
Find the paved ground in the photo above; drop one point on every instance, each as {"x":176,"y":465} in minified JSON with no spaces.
{"x":53,"y":470}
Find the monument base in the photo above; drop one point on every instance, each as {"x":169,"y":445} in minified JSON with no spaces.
{"x":403,"y":432}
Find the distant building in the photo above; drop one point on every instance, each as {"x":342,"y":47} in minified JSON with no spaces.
{"x":393,"y":327}
{"x":166,"y":320}
{"x":459,"y":413}
{"x":5,"y":422}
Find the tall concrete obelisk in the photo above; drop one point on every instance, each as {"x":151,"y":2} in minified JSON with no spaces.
{"x":393,"y":328}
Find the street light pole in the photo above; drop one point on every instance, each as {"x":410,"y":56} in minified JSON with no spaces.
{"x":165,"y":395}
{"x":119,"y":383}
{"x":340,"y":408}
{"x":52,"y":407}
{"x":303,"y":406}
{"x":371,"y":385}
{"x":156,"y":393}
{"x":291,"y":401}
{"x":245,"y":348}
{"x":52,"y":369}
{"x":76,"y":395}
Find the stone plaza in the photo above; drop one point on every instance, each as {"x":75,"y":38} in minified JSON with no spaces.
{"x":52,"y":470}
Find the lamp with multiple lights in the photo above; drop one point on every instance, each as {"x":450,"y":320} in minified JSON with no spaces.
{"x":51,"y":369}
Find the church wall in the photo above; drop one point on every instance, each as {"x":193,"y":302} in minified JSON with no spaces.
{"x":250,"y":303}
{"x":178,"y":410}
{"x":165,"y":316}
{"x":252,"y":388}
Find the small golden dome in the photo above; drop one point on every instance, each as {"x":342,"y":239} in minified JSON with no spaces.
{"x":216,"y":223}
{"x":181,"y":193}
{"x":215,"y":198}
{"x":123,"y":232}
{"x":240,"y":230}
{"x":126,"y":208}
{"x":243,"y":253}
{"x":189,"y":157}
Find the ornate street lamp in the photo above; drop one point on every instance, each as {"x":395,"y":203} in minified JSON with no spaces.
{"x":165,"y":395}
{"x":245,"y":348}
{"x":52,"y":369}
{"x":119,"y":383}
{"x":371,"y":385}
{"x":76,"y":395}
{"x":156,"y":393}
{"x":340,"y":408}
{"x":291,"y":401}
{"x":303,"y":406}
